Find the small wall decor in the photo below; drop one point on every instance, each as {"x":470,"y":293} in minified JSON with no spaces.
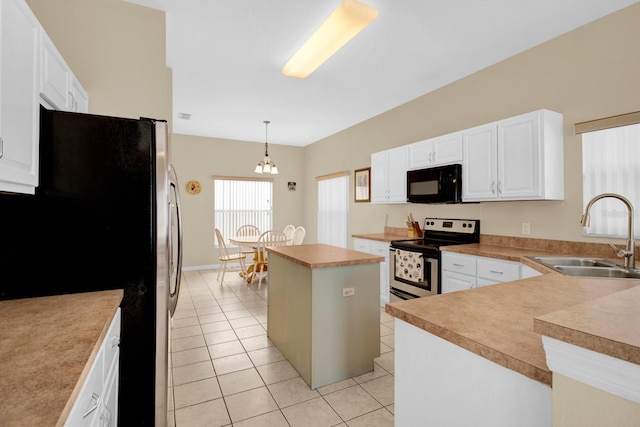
{"x":193,"y":187}
{"x":362,"y":181}
{"x":291,"y":185}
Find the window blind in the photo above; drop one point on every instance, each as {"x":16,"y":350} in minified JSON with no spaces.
{"x":333,"y":209}
{"x":240,"y":201}
{"x":611,"y":164}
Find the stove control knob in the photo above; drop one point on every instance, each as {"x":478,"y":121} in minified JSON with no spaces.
{"x":464,"y":225}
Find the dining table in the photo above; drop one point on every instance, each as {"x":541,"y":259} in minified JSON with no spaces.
{"x":251,"y":241}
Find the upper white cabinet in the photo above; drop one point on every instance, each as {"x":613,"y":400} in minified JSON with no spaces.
{"x":31,"y":70}
{"x":59,"y":87}
{"x":520,"y":158}
{"x":389,"y":175}
{"x":79,"y":99}
{"x":443,"y":150}
{"x":19,"y":107}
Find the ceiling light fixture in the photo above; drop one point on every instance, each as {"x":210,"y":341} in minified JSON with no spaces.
{"x":266,"y":166}
{"x":342,"y":25}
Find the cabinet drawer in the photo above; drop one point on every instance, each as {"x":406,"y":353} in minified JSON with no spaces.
{"x":462,"y":264}
{"x":362,"y":245}
{"x":499,"y":271}
{"x":111,"y":342}
{"x":380,"y":249}
{"x":86,"y":409}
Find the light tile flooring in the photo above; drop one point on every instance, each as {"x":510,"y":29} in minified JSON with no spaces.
{"x":226,"y":372}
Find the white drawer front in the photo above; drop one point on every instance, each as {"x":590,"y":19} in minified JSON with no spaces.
{"x":380,"y":249}
{"x":362,"y":245}
{"x":462,"y":264}
{"x":500,"y":271}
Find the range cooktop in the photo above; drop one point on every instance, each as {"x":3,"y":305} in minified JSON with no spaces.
{"x":442,"y":232}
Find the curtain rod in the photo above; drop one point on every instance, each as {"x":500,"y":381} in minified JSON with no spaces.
{"x":607,"y":123}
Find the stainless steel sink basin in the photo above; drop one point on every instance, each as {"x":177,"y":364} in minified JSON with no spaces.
{"x":573,"y":261}
{"x":611,"y":272}
{"x":587,"y":267}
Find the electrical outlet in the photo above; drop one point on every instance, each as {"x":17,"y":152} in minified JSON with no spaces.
{"x":526,"y":228}
{"x":348,"y":292}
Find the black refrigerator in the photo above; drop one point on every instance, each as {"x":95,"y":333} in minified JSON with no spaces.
{"x":105,"y":215}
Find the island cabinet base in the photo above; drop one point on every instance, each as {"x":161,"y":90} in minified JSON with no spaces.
{"x":438,"y":383}
{"x":325,"y":336}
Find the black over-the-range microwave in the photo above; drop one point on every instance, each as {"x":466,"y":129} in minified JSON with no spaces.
{"x":441,"y":184}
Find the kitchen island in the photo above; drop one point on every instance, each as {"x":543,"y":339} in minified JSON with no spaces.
{"x":323,"y":310}
{"x":485,"y":346}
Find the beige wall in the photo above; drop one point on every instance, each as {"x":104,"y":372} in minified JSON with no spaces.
{"x":200,"y":158}
{"x":589,"y":73}
{"x":117,"y":50}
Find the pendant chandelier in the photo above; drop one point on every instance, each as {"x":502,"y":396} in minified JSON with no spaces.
{"x":266,"y":166}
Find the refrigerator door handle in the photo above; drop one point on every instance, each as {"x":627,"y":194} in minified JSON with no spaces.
{"x":176,"y":265}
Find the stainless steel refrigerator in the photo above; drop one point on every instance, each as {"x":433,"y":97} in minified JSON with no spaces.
{"x":105,"y":215}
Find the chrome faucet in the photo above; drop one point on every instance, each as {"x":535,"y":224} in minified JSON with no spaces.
{"x":629,"y":253}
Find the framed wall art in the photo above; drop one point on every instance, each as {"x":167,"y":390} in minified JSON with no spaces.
{"x":362,"y":180}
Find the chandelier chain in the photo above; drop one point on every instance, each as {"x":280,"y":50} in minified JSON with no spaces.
{"x":266,"y":139}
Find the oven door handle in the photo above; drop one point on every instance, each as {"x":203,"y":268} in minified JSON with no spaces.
{"x":401,"y":294}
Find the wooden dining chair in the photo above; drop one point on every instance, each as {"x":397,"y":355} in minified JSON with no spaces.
{"x":225,"y":257}
{"x":298,"y":235}
{"x":288,"y":232}
{"x":268,"y":238}
{"x":248,"y":230}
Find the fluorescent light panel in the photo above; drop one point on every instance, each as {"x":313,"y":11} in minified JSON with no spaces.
{"x":343,"y":24}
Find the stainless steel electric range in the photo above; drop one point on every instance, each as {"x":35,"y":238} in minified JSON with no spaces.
{"x":414,"y":264}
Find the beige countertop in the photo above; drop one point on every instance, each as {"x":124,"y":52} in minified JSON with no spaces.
{"x":323,"y":256}
{"x":504,"y":322}
{"x":382,"y":237}
{"x":47,"y":345}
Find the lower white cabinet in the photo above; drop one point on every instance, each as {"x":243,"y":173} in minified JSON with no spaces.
{"x":97,"y":403}
{"x":460,"y":272}
{"x":375,"y":247}
{"x":438,"y":383}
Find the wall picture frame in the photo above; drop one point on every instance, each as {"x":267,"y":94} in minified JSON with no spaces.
{"x":362,"y":182}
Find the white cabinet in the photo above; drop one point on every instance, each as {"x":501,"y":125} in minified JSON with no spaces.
{"x":458,"y":272}
{"x":97,"y":402}
{"x":443,"y":150}
{"x":79,"y":99}
{"x":389,"y":175}
{"x":519,"y":158}
{"x":375,"y":247}
{"x":19,"y":108}
{"x":461,"y":272}
{"x":59,"y":87}
{"x":438,"y":383}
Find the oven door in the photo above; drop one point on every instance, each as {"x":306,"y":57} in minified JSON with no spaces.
{"x":411,"y":275}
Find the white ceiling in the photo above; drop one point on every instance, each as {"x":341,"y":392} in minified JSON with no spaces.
{"x":226,"y":57}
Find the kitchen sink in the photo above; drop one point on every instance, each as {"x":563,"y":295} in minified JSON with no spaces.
{"x":610,"y":272}
{"x":587,"y":267}
{"x":573,"y":261}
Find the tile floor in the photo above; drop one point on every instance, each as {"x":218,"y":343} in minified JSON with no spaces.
{"x":226,"y":372}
